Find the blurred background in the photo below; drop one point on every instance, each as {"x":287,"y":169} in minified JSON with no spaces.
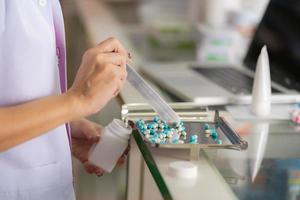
{"x":159,"y":30}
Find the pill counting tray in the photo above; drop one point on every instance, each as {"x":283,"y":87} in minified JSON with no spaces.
{"x":194,"y":118}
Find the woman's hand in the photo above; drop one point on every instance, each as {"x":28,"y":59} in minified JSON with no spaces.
{"x":85,"y":134}
{"x":101,"y":76}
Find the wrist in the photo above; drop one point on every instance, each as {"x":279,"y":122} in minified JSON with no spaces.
{"x":74,"y":106}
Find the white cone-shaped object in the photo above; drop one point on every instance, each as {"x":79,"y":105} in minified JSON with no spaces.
{"x":261,"y":91}
{"x":259,"y":139}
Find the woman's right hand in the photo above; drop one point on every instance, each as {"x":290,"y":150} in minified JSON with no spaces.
{"x":100,"y":77}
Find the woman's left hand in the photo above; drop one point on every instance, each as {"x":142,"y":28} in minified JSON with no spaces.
{"x":85,"y":134}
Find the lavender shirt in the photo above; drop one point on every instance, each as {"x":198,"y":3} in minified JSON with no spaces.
{"x":32,"y":66}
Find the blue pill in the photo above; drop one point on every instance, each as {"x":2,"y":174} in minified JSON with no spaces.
{"x":214,"y":135}
{"x":175,"y":141}
{"x":206,"y":126}
{"x":163,"y":142}
{"x":220,"y":141}
{"x":140,"y":126}
{"x":193,"y":137}
{"x":166,"y":127}
{"x":166,"y":131}
{"x":140,"y":122}
{"x":169,"y":134}
{"x":153,"y":140}
{"x":175,"y":136}
{"x":156,"y":119}
{"x":182,"y":128}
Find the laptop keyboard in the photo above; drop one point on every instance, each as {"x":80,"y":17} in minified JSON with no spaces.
{"x":230,"y":79}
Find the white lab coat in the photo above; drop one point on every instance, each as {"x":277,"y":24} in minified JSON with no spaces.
{"x":32,"y":65}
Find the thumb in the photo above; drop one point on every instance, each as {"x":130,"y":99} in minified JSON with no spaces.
{"x":92,"y":132}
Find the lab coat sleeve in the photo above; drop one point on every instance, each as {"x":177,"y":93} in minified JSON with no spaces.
{"x":2,"y":15}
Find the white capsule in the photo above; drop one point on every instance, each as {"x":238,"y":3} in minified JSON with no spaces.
{"x":183,"y":133}
{"x":175,"y":137}
{"x":168,"y":135}
{"x":157,"y":140}
{"x":180,"y":142}
{"x":207,"y":131}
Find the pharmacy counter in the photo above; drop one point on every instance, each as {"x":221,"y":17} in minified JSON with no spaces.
{"x":268,"y":169}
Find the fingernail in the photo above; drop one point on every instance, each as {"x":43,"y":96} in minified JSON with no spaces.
{"x":129,"y":55}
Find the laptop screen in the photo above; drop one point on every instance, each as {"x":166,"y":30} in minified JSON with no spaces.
{"x":279,"y":29}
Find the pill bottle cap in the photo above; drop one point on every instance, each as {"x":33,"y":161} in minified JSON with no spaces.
{"x":119,"y":128}
{"x":183,"y":169}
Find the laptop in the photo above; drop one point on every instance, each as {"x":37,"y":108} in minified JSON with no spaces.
{"x":212,"y":85}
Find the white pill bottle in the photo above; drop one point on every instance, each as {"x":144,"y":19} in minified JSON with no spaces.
{"x":112,"y":144}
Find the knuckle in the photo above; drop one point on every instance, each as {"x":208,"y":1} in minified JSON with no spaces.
{"x":116,"y":42}
{"x":99,"y":58}
{"x":115,"y":77}
{"x":113,"y":39}
{"x":88,"y":53}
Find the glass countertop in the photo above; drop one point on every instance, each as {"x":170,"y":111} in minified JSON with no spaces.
{"x":268,"y":169}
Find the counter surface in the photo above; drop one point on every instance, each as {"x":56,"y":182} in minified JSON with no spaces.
{"x":268,"y":169}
